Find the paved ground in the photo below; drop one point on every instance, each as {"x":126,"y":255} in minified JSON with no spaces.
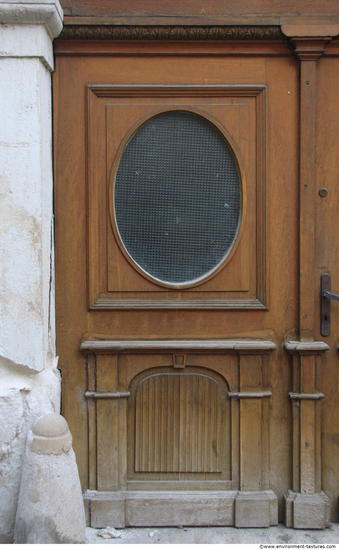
{"x":217,"y":535}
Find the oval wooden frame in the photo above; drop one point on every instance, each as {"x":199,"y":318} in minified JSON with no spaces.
{"x":243,"y":198}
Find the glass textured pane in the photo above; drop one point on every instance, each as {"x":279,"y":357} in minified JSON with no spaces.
{"x":177,"y":197}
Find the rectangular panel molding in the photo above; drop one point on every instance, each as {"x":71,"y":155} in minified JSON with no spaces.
{"x":114,"y":113}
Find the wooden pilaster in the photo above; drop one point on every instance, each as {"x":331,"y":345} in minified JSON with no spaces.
{"x":308,"y":51}
{"x":306,"y":506}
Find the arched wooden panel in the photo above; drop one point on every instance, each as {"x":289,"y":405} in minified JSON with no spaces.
{"x":178,"y":424}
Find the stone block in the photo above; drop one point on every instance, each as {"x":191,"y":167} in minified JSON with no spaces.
{"x":309,"y":512}
{"x":306,"y":511}
{"x":192,"y":508}
{"x":288,"y":508}
{"x":273,"y":500}
{"x":327,"y":508}
{"x":107,"y":510}
{"x":252,"y":509}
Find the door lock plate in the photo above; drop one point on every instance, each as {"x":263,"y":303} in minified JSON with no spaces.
{"x":325,"y":323}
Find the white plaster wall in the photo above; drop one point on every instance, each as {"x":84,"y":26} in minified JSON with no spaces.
{"x":29,"y":379}
{"x":25,"y":211}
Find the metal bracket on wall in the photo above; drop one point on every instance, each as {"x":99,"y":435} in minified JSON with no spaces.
{"x":326,"y":297}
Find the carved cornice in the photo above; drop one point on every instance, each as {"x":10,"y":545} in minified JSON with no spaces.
{"x":117,"y":32}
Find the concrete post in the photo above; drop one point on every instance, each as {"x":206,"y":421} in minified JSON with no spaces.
{"x":50,"y":507}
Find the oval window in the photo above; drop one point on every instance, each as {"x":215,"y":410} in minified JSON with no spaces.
{"x":177,"y":198}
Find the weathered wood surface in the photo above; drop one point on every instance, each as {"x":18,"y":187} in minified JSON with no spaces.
{"x":243,"y":12}
{"x":178,"y":424}
{"x":140,"y":345}
{"x":272,"y":65}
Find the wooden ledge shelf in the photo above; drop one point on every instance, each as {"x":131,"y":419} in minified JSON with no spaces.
{"x":249,"y":395}
{"x":306,"y":347}
{"x":311,"y":396}
{"x":107,"y":395}
{"x":208,"y":345}
{"x":176,"y":303}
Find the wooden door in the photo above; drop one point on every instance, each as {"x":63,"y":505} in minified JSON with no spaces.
{"x":177,"y":395}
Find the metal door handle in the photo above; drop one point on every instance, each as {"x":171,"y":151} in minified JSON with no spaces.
{"x":327,"y":294}
{"x":326,"y":297}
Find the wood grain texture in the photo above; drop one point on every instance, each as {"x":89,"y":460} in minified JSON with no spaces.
{"x":307,"y":447}
{"x":129,"y":64}
{"x":107,"y":373}
{"x":306,"y":402}
{"x":308,"y":51}
{"x":173,"y":303}
{"x":216,"y":9}
{"x":250,"y":444}
{"x":92,"y":424}
{"x":327,"y":254}
{"x":307,"y":197}
{"x":178,"y":424}
{"x":182,"y":49}
{"x":108,"y":444}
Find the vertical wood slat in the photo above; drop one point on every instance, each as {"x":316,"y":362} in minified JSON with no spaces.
{"x":176,"y":455}
{"x":308,"y":50}
{"x":250,"y":380}
{"x":108,"y":448}
{"x":296,"y":424}
{"x":107,"y":373}
{"x":307,"y":424}
{"x":92,"y":431}
{"x":122,"y":443}
{"x":307,"y":446}
{"x":307,"y":196}
{"x":178,"y":424}
{"x":250,"y":444}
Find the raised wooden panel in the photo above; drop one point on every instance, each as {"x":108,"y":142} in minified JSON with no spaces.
{"x":178,"y":424}
{"x":114,"y":113}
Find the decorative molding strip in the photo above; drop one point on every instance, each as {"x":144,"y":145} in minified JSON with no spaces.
{"x":249,"y":395}
{"x":129,"y":345}
{"x":177,"y":303}
{"x":178,"y":90}
{"x":304,"y":347}
{"x":313,"y":396}
{"x":220,"y":32}
{"x":107,"y":395}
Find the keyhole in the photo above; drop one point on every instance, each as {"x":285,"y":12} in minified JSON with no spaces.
{"x":325,"y":317}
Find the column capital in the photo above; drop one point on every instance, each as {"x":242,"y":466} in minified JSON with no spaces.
{"x":32,"y":12}
{"x":309,"y":48}
{"x":309,"y":39}
{"x":27,"y":29}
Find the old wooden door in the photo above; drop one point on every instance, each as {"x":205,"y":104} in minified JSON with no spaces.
{"x":176,"y":358}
